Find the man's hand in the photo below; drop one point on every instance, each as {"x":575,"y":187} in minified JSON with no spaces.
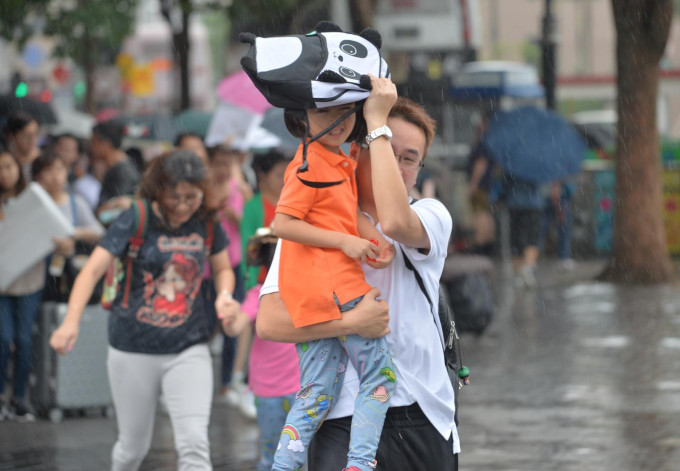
{"x":370,"y":318}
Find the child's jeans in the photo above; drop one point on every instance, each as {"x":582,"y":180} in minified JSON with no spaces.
{"x":322,"y":370}
{"x":271,"y":417}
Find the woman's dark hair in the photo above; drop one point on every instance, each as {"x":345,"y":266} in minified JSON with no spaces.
{"x":21,"y":182}
{"x":16,"y":122}
{"x":264,"y":163}
{"x":295,"y":122}
{"x":44,"y":161}
{"x":168,"y":170}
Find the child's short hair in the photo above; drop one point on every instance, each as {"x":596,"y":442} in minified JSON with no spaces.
{"x":295,"y":122}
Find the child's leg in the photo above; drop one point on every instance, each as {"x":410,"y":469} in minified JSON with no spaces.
{"x":271,"y":417}
{"x":373,"y":362}
{"x":321,"y":378}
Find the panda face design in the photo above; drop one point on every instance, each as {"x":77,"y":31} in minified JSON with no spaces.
{"x":348,"y":54}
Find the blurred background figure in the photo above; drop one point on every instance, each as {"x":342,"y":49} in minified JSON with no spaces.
{"x":426,"y":186}
{"x":557,"y":214}
{"x":525,"y":203}
{"x":67,"y":146}
{"x":226,"y":182}
{"x":21,"y":135}
{"x":19,"y":305}
{"x":481,"y":177}
{"x":273,"y":374}
{"x":121,"y":177}
{"x":193,"y":142}
{"x":51,"y":172}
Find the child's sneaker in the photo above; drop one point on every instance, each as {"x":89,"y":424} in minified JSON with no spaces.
{"x":22,"y":411}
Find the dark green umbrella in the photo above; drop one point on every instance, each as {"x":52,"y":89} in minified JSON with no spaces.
{"x":193,"y":121}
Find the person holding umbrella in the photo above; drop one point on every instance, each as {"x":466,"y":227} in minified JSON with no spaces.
{"x":534,"y":147}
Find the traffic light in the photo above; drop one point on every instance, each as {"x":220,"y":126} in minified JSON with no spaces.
{"x":21,"y":90}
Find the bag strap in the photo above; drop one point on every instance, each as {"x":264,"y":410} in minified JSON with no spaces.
{"x":210,"y":231}
{"x":74,"y":209}
{"x":419,"y":279}
{"x":141,"y":210}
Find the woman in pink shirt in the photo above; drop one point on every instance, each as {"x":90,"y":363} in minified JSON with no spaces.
{"x":230,"y":198}
{"x":273,"y":375}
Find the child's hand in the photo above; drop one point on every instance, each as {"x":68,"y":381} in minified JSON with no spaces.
{"x":379,"y":102}
{"x":358,"y":248}
{"x":237,"y":325}
{"x":385,"y":257}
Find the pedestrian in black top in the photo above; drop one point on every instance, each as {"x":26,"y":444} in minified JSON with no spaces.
{"x":158,"y":343}
{"x":121,"y":177}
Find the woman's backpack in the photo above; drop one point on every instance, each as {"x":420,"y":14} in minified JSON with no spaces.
{"x":117,"y":271}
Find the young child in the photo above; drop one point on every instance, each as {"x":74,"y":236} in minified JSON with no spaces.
{"x":319,"y":228}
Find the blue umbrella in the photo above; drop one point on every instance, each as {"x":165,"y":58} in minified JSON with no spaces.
{"x":534,"y":144}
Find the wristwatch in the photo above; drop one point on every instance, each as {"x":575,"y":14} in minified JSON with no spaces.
{"x":376,"y":133}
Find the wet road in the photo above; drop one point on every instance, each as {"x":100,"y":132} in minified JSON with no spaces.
{"x":575,"y":375}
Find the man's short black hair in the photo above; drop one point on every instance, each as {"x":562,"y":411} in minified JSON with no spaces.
{"x":112,"y":131}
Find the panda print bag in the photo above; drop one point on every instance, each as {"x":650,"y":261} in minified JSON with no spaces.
{"x":327,"y":67}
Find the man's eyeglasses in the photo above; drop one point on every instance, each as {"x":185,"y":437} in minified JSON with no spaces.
{"x":409,"y":163}
{"x":191,"y":199}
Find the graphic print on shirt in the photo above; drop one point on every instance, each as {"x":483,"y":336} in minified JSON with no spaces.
{"x":168,"y":299}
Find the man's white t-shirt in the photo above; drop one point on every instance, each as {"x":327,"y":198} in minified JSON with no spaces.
{"x":415,"y":339}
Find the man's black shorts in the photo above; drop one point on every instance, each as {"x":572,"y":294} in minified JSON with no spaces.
{"x":408,"y":442}
{"x":525,"y":229}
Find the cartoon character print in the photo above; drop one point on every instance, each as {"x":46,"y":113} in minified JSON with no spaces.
{"x":168,"y":299}
{"x":348,"y":54}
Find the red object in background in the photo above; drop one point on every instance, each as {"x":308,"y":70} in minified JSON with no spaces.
{"x":61,"y":74}
{"x":107,"y":114}
{"x":46,"y":96}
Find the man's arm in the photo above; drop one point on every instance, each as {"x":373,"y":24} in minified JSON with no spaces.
{"x":369,"y":319}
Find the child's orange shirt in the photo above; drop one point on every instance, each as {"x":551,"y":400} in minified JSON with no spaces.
{"x":308,"y":276}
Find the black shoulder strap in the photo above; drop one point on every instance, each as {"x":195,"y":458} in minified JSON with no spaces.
{"x":419,"y":279}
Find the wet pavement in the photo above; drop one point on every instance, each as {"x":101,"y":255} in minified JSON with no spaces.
{"x":574,"y":375}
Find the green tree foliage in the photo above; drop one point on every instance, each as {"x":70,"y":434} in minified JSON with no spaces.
{"x":14,"y":15}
